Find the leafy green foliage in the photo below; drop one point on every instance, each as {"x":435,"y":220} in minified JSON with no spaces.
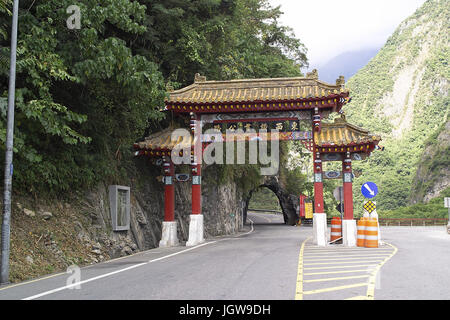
{"x":84,"y":96}
{"x":433,"y":209}
{"x":220,"y":39}
{"x":421,"y":44}
{"x":264,"y":198}
{"x":4,"y":11}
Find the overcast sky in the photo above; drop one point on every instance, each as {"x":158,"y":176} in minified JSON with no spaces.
{"x":330,"y":27}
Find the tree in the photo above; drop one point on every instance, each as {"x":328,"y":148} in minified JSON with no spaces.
{"x":84,"y":96}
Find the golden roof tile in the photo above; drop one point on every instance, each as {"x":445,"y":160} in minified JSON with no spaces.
{"x":342,"y":133}
{"x":247,"y":90}
{"x":163,"y":141}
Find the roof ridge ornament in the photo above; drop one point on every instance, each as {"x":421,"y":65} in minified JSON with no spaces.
{"x":340,"y":81}
{"x":313,"y":74}
{"x":199,"y":78}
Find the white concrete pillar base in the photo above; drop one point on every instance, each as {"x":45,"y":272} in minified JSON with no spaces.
{"x":320,"y":229}
{"x":349,"y":233}
{"x":195,"y":230}
{"x":169,"y":236}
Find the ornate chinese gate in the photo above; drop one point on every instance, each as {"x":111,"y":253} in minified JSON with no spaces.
{"x":282,"y":104}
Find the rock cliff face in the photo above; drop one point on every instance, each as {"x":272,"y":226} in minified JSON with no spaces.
{"x":223,"y":208}
{"x":433,"y":173}
{"x":402,"y":94}
{"x":52,"y":235}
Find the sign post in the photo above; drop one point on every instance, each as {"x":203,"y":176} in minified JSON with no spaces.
{"x":369,"y":190}
{"x":6,"y":223}
{"x":447,"y":205}
{"x":338,"y":194}
{"x":308,"y":210}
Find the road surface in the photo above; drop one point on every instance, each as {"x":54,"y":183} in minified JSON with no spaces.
{"x":267,"y":261}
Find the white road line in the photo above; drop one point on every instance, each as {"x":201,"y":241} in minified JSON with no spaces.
{"x":251,"y":229}
{"x":112,"y":273}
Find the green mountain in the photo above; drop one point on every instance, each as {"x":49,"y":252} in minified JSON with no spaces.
{"x":402,"y":94}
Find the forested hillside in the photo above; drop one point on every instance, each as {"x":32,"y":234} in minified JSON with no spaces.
{"x":402,"y":94}
{"x":84,"y":96}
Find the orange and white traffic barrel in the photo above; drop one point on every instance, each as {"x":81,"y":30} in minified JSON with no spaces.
{"x":371,"y":234}
{"x":361,"y":232}
{"x":336,"y":228}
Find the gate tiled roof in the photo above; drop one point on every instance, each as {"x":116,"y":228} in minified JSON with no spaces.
{"x":256,"y":92}
{"x":342,"y":133}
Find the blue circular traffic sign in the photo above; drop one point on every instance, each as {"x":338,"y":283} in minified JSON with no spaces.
{"x":369,"y":190}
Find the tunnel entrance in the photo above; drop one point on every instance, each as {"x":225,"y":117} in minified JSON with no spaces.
{"x":264,"y":201}
{"x":271,"y":197}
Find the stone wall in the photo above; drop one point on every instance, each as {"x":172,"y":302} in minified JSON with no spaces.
{"x":222,"y":205}
{"x":224,"y":208}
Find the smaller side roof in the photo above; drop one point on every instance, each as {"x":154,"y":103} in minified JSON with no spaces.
{"x":341,"y":133}
{"x":162,"y":141}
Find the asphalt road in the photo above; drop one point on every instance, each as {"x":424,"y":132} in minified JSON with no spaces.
{"x":268,"y":261}
{"x":420,"y":270}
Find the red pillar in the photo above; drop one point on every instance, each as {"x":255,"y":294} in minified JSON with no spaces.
{"x":348,"y":191}
{"x":196,"y":189}
{"x":197,"y":165}
{"x":318,"y":178}
{"x":169,"y":190}
{"x":318,"y":183}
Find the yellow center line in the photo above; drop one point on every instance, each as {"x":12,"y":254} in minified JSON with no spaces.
{"x":343,"y":253}
{"x":299,"y":287}
{"x":355,"y":285}
{"x":338,"y":278}
{"x":334,"y":272}
{"x":347,"y":255}
{"x":340,"y":267}
{"x":346,"y":259}
{"x":349,"y":251}
{"x":346,"y":248}
{"x":343,"y":262}
{"x":358,"y":298}
{"x":312,"y":258}
{"x":371,"y":286}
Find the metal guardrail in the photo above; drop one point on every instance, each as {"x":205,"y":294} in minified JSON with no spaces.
{"x":400,"y":221}
{"x":413,"y":221}
{"x":382,"y":221}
